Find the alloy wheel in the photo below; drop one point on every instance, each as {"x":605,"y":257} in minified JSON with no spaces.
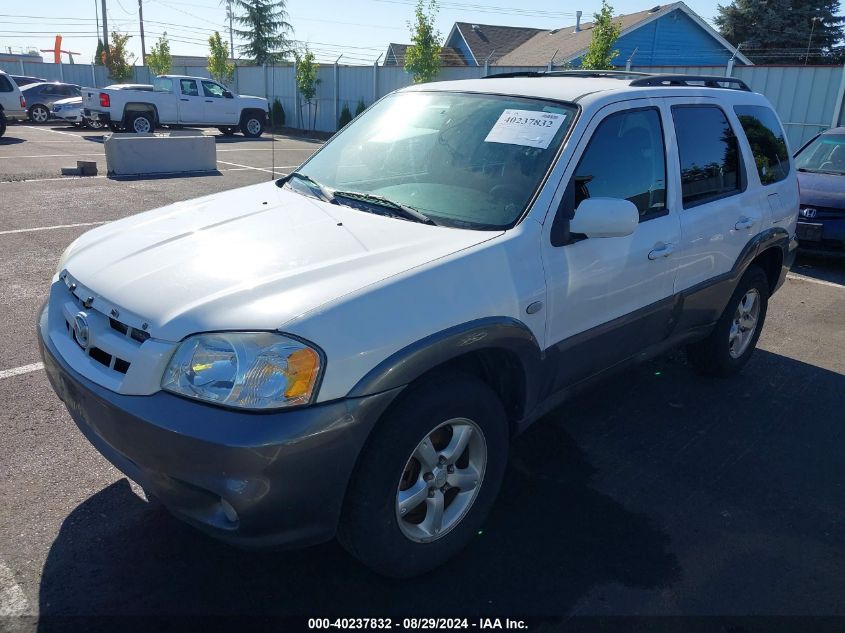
{"x":253,"y":126}
{"x":40,"y":114}
{"x":744,"y":323}
{"x":441,"y":480}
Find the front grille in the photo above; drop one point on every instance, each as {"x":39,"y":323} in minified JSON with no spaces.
{"x":111,"y":342}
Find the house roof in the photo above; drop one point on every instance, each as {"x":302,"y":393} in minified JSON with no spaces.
{"x":566,"y":44}
{"x":486,"y":39}
{"x":449,"y":56}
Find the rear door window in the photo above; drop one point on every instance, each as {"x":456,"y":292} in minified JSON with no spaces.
{"x":5,"y":84}
{"x":189,"y":87}
{"x":708,"y":152}
{"x":767,"y":141}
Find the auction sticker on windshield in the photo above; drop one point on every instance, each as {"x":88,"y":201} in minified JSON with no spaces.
{"x":526,"y":127}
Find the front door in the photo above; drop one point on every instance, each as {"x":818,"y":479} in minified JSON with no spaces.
{"x":217,"y":108}
{"x":611,"y":297}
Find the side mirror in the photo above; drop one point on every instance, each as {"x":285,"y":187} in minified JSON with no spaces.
{"x":228,"y":94}
{"x":605,"y":217}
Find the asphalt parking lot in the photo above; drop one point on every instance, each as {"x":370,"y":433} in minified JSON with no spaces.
{"x":656,"y":493}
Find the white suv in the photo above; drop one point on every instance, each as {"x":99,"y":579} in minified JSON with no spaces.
{"x":349,"y":350}
{"x":12,"y":103}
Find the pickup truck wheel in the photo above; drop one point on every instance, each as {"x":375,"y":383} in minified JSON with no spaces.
{"x":227,"y":130}
{"x":142,"y":123}
{"x":428,"y":476}
{"x":730,"y":345}
{"x":252,"y":125}
{"x":39,"y":114}
{"x":2,"y":123}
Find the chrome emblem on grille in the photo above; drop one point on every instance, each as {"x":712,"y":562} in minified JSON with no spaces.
{"x":81,"y":332}
{"x":808,"y":212}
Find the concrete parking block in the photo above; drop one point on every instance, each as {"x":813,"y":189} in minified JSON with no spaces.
{"x":160,"y":153}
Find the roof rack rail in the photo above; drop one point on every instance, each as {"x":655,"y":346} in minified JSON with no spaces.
{"x":592,"y":74}
{"x":709,"y":81}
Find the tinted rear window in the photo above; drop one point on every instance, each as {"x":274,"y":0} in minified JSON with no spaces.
{"x":767,"y":140}
{"x":708,"y":152}
{"x":5,"y":84}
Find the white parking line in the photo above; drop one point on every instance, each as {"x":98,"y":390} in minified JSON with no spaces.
{"x":17,"y":371}
{"x":44,"y":129}
{"x":223,"y":162}
{"x":820,"y":282}
{"x":50,"y":228}
{"x":12,"y":598}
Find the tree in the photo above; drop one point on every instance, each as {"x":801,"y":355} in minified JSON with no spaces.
{"x":117,"y":59}
{"x":422,"y":58}
{"x":779,"y":31}
{"x":219,"y":66}
{"x":266,"y":31}
{"x":345,"y":117}
{"x":277,"y":113}
{"x":306,"y":79}
{"x":359,"y":109}
{"x":101,"y":49}
{"x":600,"y":53}
{"x":159,"y":59}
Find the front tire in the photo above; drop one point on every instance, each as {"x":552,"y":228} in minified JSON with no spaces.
{"x":252,"y":124}
{"x":428,"y":476}
{"x":39,"y":114}
{"x":730,"y":345}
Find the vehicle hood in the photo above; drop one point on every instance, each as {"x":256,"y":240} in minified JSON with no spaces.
{"x":247,"y":259}
{"x":69,"y":101}
{"x":822,"y":190}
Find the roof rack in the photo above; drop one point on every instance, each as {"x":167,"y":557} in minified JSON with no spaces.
{"x":637,"y":79}
{"x":708,"y":81}
{"x":591,"y":74}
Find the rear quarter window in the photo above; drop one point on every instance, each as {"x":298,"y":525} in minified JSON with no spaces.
{"x":5,"y":84}
{"x":767,"y":141}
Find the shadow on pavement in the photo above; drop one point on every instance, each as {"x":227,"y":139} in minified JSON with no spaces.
{"x":550,"y":538}
{"x":826,"y":266}
{"x":10,"y":140}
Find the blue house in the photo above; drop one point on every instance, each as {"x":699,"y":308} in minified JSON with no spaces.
{"x":668,"y":35}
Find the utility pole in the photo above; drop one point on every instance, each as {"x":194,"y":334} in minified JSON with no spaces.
{"x":810,"y":41}
{"x":105,"y":26}
{"x":143,"y":45}
{"x":231,"y":36}
{"x":97,"y":18}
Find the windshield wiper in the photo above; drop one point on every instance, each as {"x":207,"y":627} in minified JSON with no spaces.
{"x":325,"y":194}
{"x":409,"y":213}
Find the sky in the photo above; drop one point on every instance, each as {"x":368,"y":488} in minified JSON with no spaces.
{"x":358,"y":29}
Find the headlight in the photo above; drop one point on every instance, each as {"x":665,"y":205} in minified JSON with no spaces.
{"x":250,"y":370}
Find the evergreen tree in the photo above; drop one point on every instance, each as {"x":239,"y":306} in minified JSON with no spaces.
{"x":266,"y":30}
{"x":779,"y":31}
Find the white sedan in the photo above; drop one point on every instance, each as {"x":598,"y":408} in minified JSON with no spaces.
{"x":70,"y":110}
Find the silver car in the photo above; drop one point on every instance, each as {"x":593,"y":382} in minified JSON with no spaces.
{"x":41,"y":97}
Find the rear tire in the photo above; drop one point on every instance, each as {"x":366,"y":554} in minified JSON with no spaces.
{"x":442,"y":449}
{"x":142,"y":123}
{"x":729,"y":347}
{"x":39,"y":114}
{"x":94,"y":125}
{"x":252,"y":124}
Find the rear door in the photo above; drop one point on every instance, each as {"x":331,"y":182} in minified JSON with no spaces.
{"x":191,"y":104}
{"x":719,"y":211}
{"x":218,"y":109}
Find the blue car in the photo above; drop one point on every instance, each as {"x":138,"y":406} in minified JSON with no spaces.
{"x":821,"y":176}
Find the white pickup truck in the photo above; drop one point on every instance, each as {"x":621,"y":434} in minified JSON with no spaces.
{"x":176,"y":100}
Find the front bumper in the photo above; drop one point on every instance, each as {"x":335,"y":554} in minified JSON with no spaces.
{"x":285,"y":474}
{"x":16,"y":115}
{"x":71,"y":116}
{"x":826,"y":232}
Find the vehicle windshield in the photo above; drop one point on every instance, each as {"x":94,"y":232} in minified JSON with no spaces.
{"x":826,"y":154}
{"x":467,"y":160}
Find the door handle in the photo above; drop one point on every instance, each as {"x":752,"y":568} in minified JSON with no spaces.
{"x":662,"y":251}
{"x":183,"y":99}
{"x":209,"y":100}
{"x":744,"y":223}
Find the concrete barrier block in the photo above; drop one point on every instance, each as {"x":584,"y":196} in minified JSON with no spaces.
{"x":160,"y":153}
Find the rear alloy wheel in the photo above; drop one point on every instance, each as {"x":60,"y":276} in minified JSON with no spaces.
{"x":94,"y":125}
{"x":428,"y":476}
{"x":142,"y":123}
{"x":39,"y":114}
{"x":729,"y":346}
